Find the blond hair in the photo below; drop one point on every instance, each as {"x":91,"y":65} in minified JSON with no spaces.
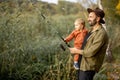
{"x":80,"y":21}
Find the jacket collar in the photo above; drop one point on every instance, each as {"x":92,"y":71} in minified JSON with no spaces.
{"x":97,"y":28}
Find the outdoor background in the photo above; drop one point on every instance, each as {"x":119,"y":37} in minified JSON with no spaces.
{"x":30,"y":42}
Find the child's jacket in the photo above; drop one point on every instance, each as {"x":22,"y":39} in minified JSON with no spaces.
{"x":78,"y":37}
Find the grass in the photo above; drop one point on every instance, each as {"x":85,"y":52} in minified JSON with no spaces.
{"x":30,"y":49}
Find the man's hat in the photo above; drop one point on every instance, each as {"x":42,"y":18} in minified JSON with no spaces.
{"x":100,"y":13}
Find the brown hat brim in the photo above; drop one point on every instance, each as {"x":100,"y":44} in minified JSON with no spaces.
{"x":102,"y":21}
{"x":90,"y":10}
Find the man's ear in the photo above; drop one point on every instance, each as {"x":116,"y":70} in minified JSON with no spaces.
{"x":98,"y":19}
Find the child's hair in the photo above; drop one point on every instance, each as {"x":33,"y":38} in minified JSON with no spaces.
{"x":80,"y":21}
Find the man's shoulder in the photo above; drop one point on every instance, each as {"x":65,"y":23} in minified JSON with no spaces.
{"x":102,"y":30}
{"x":103,"y":33}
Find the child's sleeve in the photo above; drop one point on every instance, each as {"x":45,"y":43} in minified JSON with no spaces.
{"x":70,"y":37}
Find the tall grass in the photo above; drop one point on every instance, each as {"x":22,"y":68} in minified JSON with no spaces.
{"x":29,"y":48}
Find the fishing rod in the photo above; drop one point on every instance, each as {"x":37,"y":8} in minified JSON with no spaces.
{"x":61,"y":45}
{"x":63,"y":48}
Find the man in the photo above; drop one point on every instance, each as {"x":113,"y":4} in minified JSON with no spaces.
{"x":94,"y":46}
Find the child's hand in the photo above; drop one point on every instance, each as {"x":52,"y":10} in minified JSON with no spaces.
{"x":64,"y":40}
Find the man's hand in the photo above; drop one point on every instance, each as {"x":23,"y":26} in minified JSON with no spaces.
{"x":75,"y":50}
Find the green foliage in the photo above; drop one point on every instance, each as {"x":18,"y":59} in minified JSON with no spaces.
{"x":101,"y":74}
{"x":117,"y":50}
{"x":112,"y":21}
{"x":65,"y":8}
{"x":29,"y":47}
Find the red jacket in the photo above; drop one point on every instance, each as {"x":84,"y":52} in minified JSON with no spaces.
{"x":78,"y":37}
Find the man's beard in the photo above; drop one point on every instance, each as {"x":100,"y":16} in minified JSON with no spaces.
{"x":92,"y":23}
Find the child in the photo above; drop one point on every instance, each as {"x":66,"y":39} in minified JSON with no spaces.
{"x":78,"y":34}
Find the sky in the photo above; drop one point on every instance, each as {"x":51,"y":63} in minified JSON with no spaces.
{"x":50,"y":1}
{"x":56,"y":1}
{"x":84,"y":5}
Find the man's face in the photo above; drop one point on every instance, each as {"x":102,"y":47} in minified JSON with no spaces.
{"x":92,"y":19}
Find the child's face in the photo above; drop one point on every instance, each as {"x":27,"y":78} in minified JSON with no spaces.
{"x":78,"y":26}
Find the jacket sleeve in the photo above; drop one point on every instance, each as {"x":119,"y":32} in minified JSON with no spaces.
{"x":70,"y":37}
{"x":95,"y":46}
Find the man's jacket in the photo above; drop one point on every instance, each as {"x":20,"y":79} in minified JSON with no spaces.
{"x":94,"y":50}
